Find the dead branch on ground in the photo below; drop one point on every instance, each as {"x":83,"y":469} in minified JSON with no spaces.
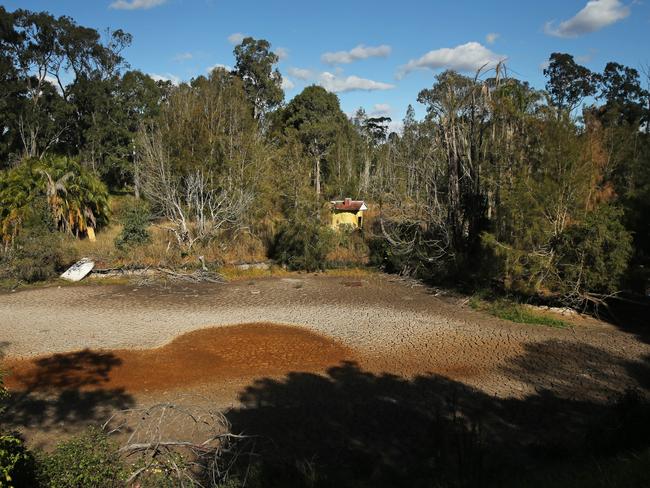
{"x":194,"y":446}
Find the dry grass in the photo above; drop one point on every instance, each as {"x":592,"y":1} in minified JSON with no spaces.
{"x":243,"y":247}
{"x":235,"y":273}
{"x":163,"y":251}
{"x":351,"y":272}
{"x":103,"y":249}
{"x":348,"y":255}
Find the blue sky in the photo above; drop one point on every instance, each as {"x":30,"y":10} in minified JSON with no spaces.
{"x":400,"y":46}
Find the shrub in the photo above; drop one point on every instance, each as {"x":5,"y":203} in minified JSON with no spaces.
{"x":17,"y":464}
{"x":37,"y":253}
{"x":594,"y":254}
{"x":349,"y":248}
{"x":303,"y":245}
{"x":590,"y":256}
{"x":135,"y":227}
{"x":89,"y":460}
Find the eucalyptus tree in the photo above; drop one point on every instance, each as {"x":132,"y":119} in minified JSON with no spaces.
{"x":255,"y":65}
{"x":373,"y":131}
{"x":458,"y":106}
{"x":43,"y":57}
{"x":315,"y":118}
{"x":568,"y":83}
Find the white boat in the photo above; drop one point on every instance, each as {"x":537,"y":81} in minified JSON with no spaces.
{"x":79,"y":270}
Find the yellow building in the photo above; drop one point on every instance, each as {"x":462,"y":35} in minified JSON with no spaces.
{"x":348,"y":212}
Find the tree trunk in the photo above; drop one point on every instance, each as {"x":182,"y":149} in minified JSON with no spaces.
{"x":317,"y":176}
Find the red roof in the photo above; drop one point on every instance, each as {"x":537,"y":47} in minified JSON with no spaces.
{"x":349,"y":205}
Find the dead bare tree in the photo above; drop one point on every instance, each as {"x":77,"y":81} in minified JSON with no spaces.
{"x":195,"y":207}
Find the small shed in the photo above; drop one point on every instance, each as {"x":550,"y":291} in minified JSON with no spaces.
{"x":348,"y":212}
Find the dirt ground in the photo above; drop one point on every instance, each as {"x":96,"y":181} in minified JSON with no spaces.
{"x":75,"y":354}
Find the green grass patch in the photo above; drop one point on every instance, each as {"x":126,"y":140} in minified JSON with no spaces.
{"x":515,"y":312}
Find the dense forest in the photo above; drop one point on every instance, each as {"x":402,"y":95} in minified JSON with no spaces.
{"x":534,"y":192}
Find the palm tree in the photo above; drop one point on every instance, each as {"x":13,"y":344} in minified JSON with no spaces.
{"x":76,"y":197}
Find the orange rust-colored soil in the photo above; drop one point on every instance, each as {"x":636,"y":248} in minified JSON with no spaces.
{"x":203,"y":356}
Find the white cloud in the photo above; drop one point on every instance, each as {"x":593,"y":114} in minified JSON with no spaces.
{"x":381,"y":110}
{"x":355,"y":54}
{"x":287,"y":84}
{"x":236,"y":38}
{"x":183,"y":57}
{"x":492,"y":37}
{"x":301,"y":73}
{"x":339,"y":84}
{"x":396,"y":126}
{"x":135,"y":4}
{"x":282,"y":53}
{"x":466,"y":57}
{"x":175,"y":80}
{"x":209,"y":69}
{"x":594,"y":16}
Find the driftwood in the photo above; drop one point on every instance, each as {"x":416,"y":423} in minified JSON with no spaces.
{"x":121,"y":271}
{"x":199,"y":276}
{"x":147,"y":275}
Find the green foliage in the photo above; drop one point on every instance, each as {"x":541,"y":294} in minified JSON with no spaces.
{"x":315,"y":115}
{"x":303,"y":244}
{"x":77,"y":199}
{"x":255,"y":66}
{"x":594,"y":254}
{"x":135,"y":226}
{"x":391,"y":258}
{"x":17,"y":464}
{"x":497,"y":184}
{"x":44,"y":113}
{"x":37,"y":253}
{"x":514,"y":312}
{"x":89,"y":460}
{"x":568,"y":82}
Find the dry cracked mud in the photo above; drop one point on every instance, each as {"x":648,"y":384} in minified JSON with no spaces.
{"x":110,"y":347}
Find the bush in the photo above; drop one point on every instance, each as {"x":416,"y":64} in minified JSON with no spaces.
{"x":37,"y":253}
{"x":135,"y":227}
{"x":17,"y":464}
{"x":594,"y":254}
{"x":410,"y":250}
{"x":303,"y":245}
{"x":349,"y":248}
{"x":89,"y":460}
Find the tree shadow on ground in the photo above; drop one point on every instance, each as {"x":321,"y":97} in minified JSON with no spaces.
{"x":628,"y":312}
{"x":64,"y":391}
{"x":351,"y":428}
